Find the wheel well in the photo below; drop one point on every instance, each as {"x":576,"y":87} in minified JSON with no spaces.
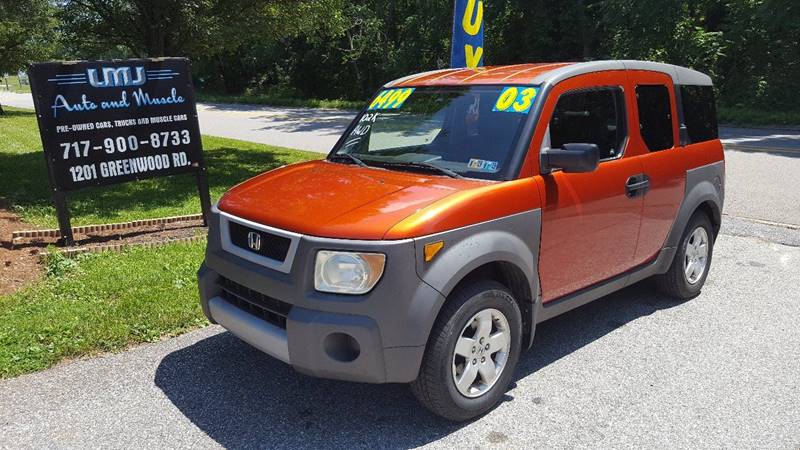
{"x":512,"y":277}
{"x":713,"y":213}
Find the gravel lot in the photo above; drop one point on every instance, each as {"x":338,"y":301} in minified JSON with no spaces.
{"x":634,"y":369}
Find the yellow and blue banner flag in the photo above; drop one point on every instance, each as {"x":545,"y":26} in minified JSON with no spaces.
{"x":467,"y":34}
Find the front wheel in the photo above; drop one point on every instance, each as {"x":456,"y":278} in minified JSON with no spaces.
{"x":472,"y":352}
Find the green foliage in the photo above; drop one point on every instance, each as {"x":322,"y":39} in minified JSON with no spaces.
{"x":763,"y":55}
{"x":672,"y":31}
{"x":279,"y":51}
{"x":58,"y":265}
{"x":123,"y":28}
{"x":253,"y":97}
{"x":27,"y":33}
{"x":749,"y":116}
{"x":23,"y":176}
{"x":750,"y":50}
{"x":229,"y":40}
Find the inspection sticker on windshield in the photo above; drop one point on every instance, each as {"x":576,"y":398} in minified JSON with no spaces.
{"x":482,"y":164}
{"x":391,"y":99}
{"x":516,"y":99}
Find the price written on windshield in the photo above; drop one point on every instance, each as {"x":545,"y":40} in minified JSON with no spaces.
{"x":123,"y":144}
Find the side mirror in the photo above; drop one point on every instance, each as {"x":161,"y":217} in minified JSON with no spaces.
{"x":572,"y":158}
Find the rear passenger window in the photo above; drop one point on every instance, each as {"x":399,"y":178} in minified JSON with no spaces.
{"x":699,"y":113}
{"x":595,"y":116}
{"x":655,"y":116}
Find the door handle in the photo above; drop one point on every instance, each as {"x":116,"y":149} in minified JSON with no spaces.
{"x":637,"y":185}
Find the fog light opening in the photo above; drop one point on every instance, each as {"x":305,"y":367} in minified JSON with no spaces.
{"x":342,"y":347}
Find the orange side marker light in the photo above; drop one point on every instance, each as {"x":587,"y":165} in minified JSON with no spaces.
{"x":432,"y":249}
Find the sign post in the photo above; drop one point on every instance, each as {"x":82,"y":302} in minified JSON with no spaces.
{"x":467,"y":48}
{"x":109,"y":122}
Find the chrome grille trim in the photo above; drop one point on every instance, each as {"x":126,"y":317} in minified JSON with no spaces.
{"x":284,"y":266}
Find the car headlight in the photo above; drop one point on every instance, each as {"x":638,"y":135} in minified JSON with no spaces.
{"x":347,"y":272}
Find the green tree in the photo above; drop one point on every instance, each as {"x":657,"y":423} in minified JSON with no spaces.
{"x":26,"y":34}
{"x":674,"y":31}
{"x":347,"y":49}
{"x":222,"y":36}
{"x":763,"y":57}
{"x":137,"y":28}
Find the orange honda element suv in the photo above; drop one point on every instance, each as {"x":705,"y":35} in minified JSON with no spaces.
{"x":461,"y":208}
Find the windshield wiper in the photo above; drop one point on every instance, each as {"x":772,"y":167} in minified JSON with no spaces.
{"x":411,"y":165}
{"x":423,"y":166}
{"x":348,"y":157}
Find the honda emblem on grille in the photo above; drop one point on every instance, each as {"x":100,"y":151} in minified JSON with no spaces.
{"x":254,"y":241}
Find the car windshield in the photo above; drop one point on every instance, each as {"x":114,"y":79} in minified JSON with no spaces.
{"x":468,"y":131}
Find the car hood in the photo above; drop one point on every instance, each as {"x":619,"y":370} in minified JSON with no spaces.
{"x":326,"y":199}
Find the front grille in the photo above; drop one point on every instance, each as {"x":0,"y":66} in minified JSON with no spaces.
{"x":262,"y":306}
{"x":269,"y":245}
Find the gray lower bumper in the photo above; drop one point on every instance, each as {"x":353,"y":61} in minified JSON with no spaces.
{"x":262,"y":335}
{"x":322,"y":344}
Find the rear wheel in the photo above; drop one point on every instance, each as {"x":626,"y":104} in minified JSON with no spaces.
{"x":689,"y":270}
{"x":472,"y":352}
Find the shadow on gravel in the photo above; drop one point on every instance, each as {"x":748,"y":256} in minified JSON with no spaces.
{"x":242,"y":398}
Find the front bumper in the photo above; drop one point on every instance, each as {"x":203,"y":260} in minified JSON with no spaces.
{"x":378,"y":337}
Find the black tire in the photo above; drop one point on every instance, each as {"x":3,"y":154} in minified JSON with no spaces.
{"x":675,"y":283}
{"x":435,"y":388}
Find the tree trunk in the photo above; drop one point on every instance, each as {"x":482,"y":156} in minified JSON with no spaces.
{"x":2,"y":113}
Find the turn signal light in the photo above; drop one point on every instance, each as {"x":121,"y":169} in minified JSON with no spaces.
{"x":432,"y":249}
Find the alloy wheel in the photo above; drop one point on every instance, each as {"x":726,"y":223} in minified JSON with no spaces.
{"x":481,"y":352}
{"x":696,"y":255}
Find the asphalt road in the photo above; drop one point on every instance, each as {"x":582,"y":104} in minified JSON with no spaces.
{"x":633,"y":369}
{"x":763,"y":184}
{"x":759,"y":137}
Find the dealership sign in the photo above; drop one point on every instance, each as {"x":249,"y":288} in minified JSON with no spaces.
{"x":107,"y":122}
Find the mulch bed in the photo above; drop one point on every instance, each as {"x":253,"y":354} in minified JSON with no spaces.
{"x":18,"y":266}
{"x":21,"y":263}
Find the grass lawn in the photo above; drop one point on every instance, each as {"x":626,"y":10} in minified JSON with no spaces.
{"x":106,"y":302}
{"x":100,"y":302}
{"x":743,"y":116}
{"x":23,"y":178}
{"x":12,"y":84}
{"x":277,"y":100}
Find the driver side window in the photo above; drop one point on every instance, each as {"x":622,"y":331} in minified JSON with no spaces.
{"x":593,"y":116}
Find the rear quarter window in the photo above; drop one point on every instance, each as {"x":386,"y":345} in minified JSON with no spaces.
{"x":699,"y":113}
